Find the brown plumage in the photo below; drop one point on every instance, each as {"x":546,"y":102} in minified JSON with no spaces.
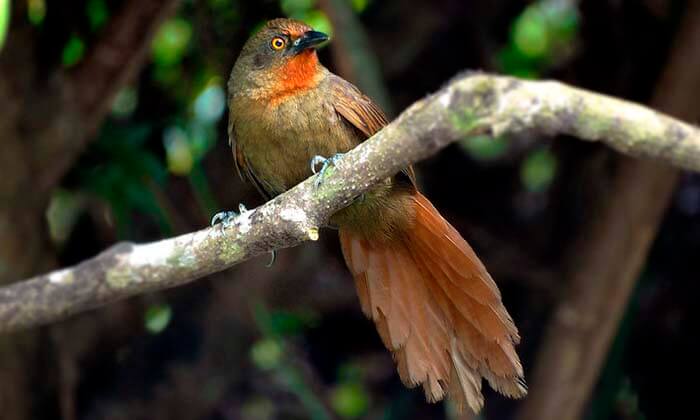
{"x":434,"y":304}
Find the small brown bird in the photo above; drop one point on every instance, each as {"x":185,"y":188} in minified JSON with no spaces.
{"x":435,"y":306}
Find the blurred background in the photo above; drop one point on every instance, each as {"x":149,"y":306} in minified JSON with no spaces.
{"x":113,"y":127}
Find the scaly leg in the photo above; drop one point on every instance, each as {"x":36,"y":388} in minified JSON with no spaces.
{"x":320,"y":160}
{"x":228,"y":216}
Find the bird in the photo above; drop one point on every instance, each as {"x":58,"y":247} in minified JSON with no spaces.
{"x":435,"y":306}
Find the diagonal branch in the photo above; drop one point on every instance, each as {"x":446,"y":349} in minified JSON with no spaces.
{"x":470,"y":104}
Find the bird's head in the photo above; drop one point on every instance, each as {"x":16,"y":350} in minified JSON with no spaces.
{"x":279,"y":58}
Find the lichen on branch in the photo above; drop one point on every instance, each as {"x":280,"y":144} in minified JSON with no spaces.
{"x":470,"y":104}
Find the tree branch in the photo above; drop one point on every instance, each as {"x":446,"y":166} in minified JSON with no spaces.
{"x":607,"y":260}
{"x":470,"y":104}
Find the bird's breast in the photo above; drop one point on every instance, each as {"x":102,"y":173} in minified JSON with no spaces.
{"x":280,"y":139}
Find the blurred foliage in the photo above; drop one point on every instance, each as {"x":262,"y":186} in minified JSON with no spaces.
{"x":155,"y":169}
{"x":538,"y":169}
{"x":628,"y":402}
{"x":350,"y":400}
{"x":129,"y":177}
{"x":178,"y":151}
{"x":258,"y":408}
{"x":359,"y":6}
{"x":615,"y":391}
{"x":36,"y":11}
{"x":73,"y":51}
{"x":266,"y":353}
{"x":350,"y":397}
{"x":542,"y":35}
{"x":272,"y":353}
{"x":125,"y":102}
{"x":485,"y":148}
{"x":62,"y":214}
{"x":97,"y":13}
{"x":157,"y":318}
{"x":171,"y":42}
{"x":4,"y":20}
{"x":287,"y":323}
{"x":306,"y":11}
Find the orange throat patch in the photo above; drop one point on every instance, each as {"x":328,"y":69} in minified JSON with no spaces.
{"x":298,"y":74}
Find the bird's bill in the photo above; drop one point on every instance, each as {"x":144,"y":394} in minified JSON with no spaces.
{"x":310,"y":39}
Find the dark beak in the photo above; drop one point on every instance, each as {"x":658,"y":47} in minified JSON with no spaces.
{"x":311,"y":39}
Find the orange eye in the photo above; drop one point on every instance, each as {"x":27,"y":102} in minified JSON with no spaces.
{"x":278,"y":43}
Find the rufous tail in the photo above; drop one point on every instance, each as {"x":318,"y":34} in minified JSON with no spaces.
{"x":437,"y":309}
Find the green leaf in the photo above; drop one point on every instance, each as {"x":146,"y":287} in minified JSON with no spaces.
{"x":171,"y":42}
{"x":359,"y":6}
{"x":531,"y":33}
{"x":350,"y":400}
{"x":178,"y":151}
{"x":36,"y":11}
{"x":316,"y":19}
{"x":73,"y":51}
{"x":266,"y":353}
{"x":257,"y":408}
{"x":62,"y":214}
{"x":210,"y":104}
{"x":125,"y":102}
{"x":4,"y":20}
{"x":157,"y":318}
{"x":293,"y":7}
{"x":512,"y":61}
{"x":128,"y":176}
{"x":485,"y":148}
{"x":97,"y":13}
{"x":539,"y":37}
{"x":284,"y":323}
{"x":538,"y":169}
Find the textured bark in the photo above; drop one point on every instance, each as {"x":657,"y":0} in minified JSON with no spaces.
{"x":608,"y":259}
{"x":470,"y":104}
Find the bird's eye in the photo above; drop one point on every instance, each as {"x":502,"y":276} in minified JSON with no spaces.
{"x":278,"y":43}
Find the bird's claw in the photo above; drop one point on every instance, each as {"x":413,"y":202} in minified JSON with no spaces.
{"x":226,"y":217}
{"x":273,"y":258}
{"x":320,"y":160}
{"x":315,"y":161}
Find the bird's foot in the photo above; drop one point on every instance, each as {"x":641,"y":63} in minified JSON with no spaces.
{"x":273,"y":258}
{"x":325,"y":163}
{"x":227,"y":217}
{"x":224,"y":217}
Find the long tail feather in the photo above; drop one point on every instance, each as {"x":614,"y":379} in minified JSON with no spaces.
{"x":437,"y":309}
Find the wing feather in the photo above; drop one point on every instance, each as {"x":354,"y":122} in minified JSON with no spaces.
{"x":244,"y":169}
{"x":360,"y":111}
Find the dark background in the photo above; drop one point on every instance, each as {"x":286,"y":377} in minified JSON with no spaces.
{"x":113,"y":127}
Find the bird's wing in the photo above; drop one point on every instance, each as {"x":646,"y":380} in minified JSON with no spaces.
{"x":360,"y":111}
{"x":245,"y":171}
